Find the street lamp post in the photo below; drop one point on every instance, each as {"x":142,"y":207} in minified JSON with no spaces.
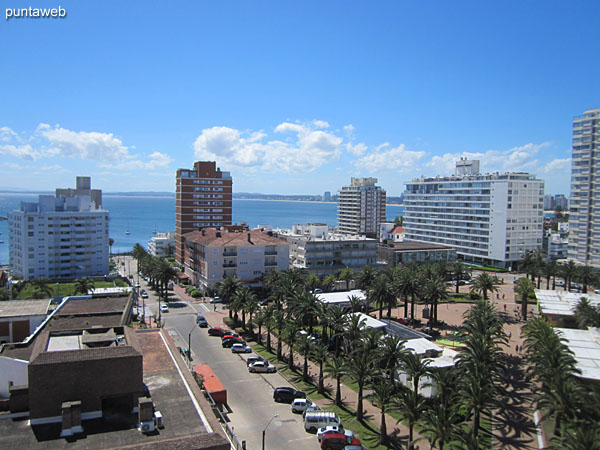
{"x":265,"y":430}
{"x":190,"y":345}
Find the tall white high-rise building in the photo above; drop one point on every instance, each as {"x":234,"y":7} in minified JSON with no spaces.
{"x":60,"y":236}
{"x":491,"y":219}
{"x":584,"y":203}
{"x":361,"y":207}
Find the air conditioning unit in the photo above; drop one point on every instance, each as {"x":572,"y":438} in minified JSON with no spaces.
{"x":158,"y":419}
{"x":147,"y":426}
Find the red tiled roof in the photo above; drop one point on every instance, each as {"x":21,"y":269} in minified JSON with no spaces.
{"x":211,"y":237}
{"x":398,"y":229}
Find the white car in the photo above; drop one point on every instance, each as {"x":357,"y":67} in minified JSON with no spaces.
{"x":215,"y":300}
{"x":333,"y":429}
{"x":164,"y":308}
{"x":240,"y":348}
{"x":299,"y":405}
{"x":261,"y":367}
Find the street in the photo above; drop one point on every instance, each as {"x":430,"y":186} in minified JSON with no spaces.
{"x":250,"y":396}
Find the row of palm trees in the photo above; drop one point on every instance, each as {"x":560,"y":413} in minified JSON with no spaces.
{"x":42,"y":287}
{"x":347,"y":349}
{"x":538,"y":268}
{"x":572,"y":404}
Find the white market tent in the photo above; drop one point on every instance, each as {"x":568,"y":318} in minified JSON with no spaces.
{"x":341,"y":299}
{"x":562,"y":303}
{"x":585,"y":345}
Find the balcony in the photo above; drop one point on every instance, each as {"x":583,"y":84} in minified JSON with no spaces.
{"x":229,"y":265}
{"x":270,"y":263}
{"x":270,"y":252}
{"x":230,"y":253}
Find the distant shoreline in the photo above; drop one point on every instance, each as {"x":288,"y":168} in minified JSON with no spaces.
{"x":136,"y":195}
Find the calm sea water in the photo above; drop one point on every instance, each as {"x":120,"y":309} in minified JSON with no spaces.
{"x":143,"y":215}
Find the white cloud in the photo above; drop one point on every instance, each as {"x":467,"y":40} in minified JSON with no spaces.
{"x":320,"y":124}
{"x":557,"y":165}
{"x":310,"y":149}
{"x":7,"y":135}
{"x":356,"y":149}
{"x":386,"y":158}
{"x":157,"y":161}
{"x":516,"y":159}
{"x":25,"y":151}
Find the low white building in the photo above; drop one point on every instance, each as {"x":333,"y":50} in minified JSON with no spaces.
{"x":370,"y":322}
{"x":340,"y":299}
{"x":162,"y":245}
{"x":320,"y":251}
{"x":389,"y":231}
{"x":585,"y":345}
{"x":19,"y":318}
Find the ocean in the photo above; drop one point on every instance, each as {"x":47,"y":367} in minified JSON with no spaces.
{"x":143,"y":215}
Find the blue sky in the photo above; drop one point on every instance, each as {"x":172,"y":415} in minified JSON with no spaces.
{"x":292,"y":97}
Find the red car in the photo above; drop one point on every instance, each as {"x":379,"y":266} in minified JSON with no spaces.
{"x":216,"y":331}
{"x":337,"y":441}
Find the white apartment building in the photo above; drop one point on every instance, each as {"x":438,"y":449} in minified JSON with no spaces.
{"x":584,"y":203}
{"x":162,"y":245}
{"x":491,"y":219}
{"x":318,"y":250}
{"x":361,"y":207}
{"x":211,"y":254}
{"x":60,"y":236}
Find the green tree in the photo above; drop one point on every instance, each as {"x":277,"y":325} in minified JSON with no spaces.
{"x":41,"y":287}
{"x":524,"y":288}
{"x":305,"y":349}
{"x":347,"y":275}
{"x":411,"y":406}
{"x":586,"y":314}
{"x":320,"y":354}
{"x":460,"y":270}
{"x":360,"y":368}
{"x":380,"y":292}
{"x":227,"y":288}
{"x":366,"y":277}
{"x":329,"y":282}
{"x":336,"y":367}
{"x":485,"y":283}
{"x":83,"y":285}
{"x":390,"y":353}
{"x":313,"y":281}
{"x":382,"y":396}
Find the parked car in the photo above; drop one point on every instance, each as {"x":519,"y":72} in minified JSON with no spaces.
{"x":333,"y":429}
{"x":314,"y":420}
{"x":261,"y":367}
{"x":215,"y":331}
{"x":164,"y":308}
{"x":143,"y":294}
{"x":431,"y":332}
{"x":337,"y":441}
{"x":286,"y":394}
{"x":240,"y":348}
{"x":310,"y":408}
{"x":227,"y":343}
{"x":215,"y":300}
{"x":299,"y":405}
{"x":201,"y":321}
{"x":252,"y":359}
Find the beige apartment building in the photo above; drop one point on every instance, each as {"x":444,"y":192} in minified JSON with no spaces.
{"x":211,"y":254}
{"x":361,"y":207}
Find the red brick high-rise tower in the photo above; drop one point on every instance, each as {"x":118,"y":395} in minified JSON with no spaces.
{"x":203,"y":200}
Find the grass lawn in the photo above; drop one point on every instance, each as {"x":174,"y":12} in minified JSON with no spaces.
{"x":66,"y":289}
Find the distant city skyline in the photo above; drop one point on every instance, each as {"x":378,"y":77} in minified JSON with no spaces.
{"x":394,"y":92}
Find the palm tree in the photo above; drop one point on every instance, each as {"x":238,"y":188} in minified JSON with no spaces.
{"x":434,"y":292}
{"x":227,"y":287}
{"x":305,"y":349}
{"x":410,"y":405}
{"x":270,"y":323}
{"x":83,"y":285}
{"x":336,"y":318}
{"x":586,"y":314}
{"x":329,"y":282}
{"x":585,"y":275}
{"x":366,"y":277}
{"x":313,"y":281}
{"x":549,"y":270}
{"x":382,"y":396}
{"x":380,"y":293}
{"x":260,"y":319}
{"x":290,"y":336}
{"x":459,"y":269}
{"x":356,"y":303}
{"x":579,"y":436}
{"x":240,"y":299}
{"x":440,"y":422}
{"x":279,"y":322}
{"x":320,"y":354}
{"x":390,"y":353}
{"x":337,"y":368}
{"x":111,"y":241}
{"x":414,"y":367}
{"x":568,"y":271}
{"x":360,"y":368}
{"x":346,"y":274}
{"x":484,"y":283}
{"x":524,"y":288}
{"x":41,"y":287}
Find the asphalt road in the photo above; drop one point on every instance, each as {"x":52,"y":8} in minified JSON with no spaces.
{"x":249,"y":396}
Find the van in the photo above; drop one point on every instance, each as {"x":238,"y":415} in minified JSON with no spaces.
{"x":313,"y":420}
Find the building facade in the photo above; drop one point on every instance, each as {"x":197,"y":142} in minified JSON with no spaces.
{"x":314,"y":248}
{"x":396,"y":254}
{"x":584,"y":203}
{"x":361,"y":207}
{"x":203,"y":199}
{"x":491,"y":219}
{"x":61,"y":236}
{"x":211,"y":254}
{"x":162,"y":245}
